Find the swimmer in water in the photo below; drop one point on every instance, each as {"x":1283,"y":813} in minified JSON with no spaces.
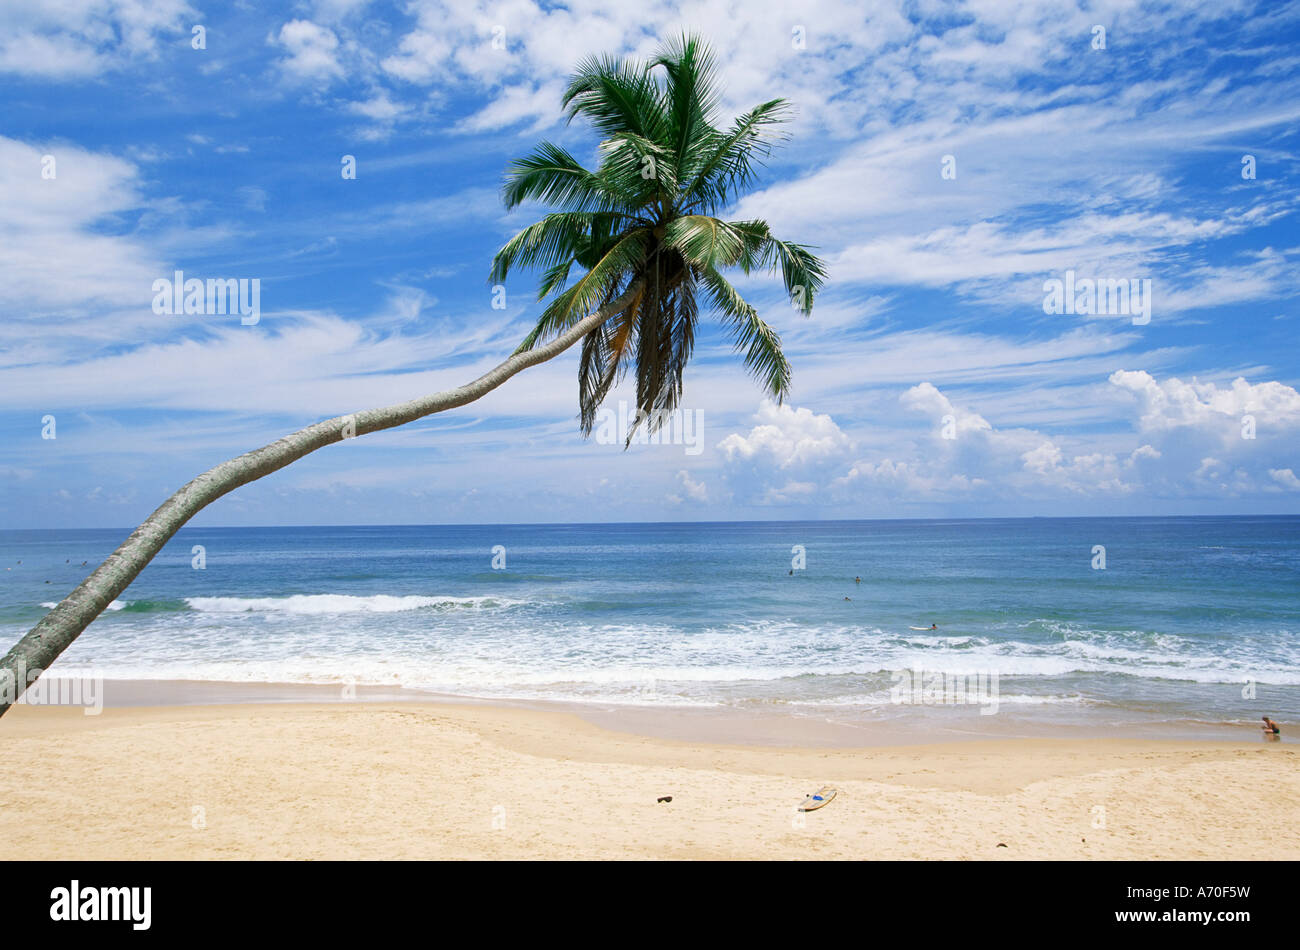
{"x":857,"y":580}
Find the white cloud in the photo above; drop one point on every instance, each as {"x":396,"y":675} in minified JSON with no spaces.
{"x":380,"y":108}
{"x":420,"y":56}
{"x":313,"y":51}
{"x":56,"y":258}
{"x":78,"y":39}
{"x":534,"y":105}
{"x":1285,"y":477}
{"x":785,"y":457}
{"x":925,"y":398}
{"x":916,"y":480}
{"x":786,"y":438}
{"x":961,"y":456}
{"x":1174,"y":404}
{"x":692,"y":489}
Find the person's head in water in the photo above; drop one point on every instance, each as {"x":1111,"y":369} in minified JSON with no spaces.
{"x":934,"y":626}
{"x":857,"y":580}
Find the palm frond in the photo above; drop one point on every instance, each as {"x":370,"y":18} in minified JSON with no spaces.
{"x":692,"y":94}
{"x":644,"y":170}
{"x":704,"y":241}
{"x":600,"y":284}
{"x":615,"y":96}
{"x":665,"y":341}
{"x":551,"y":175}
{"x":551,"y":242}
{"x":802,"y":271}
{"x":729,"y":163}
{"x":602,"y":363}
{"x":759,"y":343}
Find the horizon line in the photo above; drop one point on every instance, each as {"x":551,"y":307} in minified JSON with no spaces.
{"x":774,"y":521}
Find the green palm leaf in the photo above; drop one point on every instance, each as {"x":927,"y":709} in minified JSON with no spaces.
{"x":552,"y":176}
{"x":646,"y":219}
{"x":759,"y":342}
{"x":704,"y":241}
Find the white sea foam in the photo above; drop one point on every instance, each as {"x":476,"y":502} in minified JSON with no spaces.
{"x":873,"y":700}
{"x":319,"y":604}
{"x":474,"y":642}
{"x":499,"y":647}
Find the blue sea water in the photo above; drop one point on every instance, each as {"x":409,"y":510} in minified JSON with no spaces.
{"x":1192,"y":620}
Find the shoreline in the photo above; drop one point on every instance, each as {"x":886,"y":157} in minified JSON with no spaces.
{"x":769,"y":725}
{"x":463,"y":781}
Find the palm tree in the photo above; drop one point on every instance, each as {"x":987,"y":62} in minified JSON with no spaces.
{"x":644,"y":223}
{"x":641,"y":234}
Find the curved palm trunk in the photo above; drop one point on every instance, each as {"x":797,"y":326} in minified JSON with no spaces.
{"x":55,"y":632}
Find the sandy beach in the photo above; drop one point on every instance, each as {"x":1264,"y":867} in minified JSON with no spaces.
{"x":381,"y":780}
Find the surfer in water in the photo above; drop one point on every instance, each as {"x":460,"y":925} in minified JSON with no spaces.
{"x":1271,"y":729}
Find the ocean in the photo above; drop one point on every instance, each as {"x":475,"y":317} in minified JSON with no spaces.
{"x":1123,"y":625}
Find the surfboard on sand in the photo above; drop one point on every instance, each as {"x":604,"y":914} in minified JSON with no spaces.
{"x":818,"y":798}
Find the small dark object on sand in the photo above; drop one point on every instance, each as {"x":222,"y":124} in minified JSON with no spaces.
{"x":1001,"y":845}
{"x":666,"y":798}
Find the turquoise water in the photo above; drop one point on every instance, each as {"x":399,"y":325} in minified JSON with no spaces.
{"x":1189,"y":616}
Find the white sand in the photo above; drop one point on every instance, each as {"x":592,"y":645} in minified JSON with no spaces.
{"x":417,"y":780}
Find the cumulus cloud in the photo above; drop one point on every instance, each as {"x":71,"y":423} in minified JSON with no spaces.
{"x":915,"y":480}
{"x":924,"y":398}
{"x":784,"y":457}
{"x":963,"y":453}
{"x":690,"y":489}
{"x":1186,"y":439}
{"x":1175,"y":404}
{"x":1285,"y":477}
{"x":312,"y":51}
{"x":786,"y":437}
{"x":1226,"y":439}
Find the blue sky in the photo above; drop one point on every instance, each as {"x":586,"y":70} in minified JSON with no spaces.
{"x":929,"y":381}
